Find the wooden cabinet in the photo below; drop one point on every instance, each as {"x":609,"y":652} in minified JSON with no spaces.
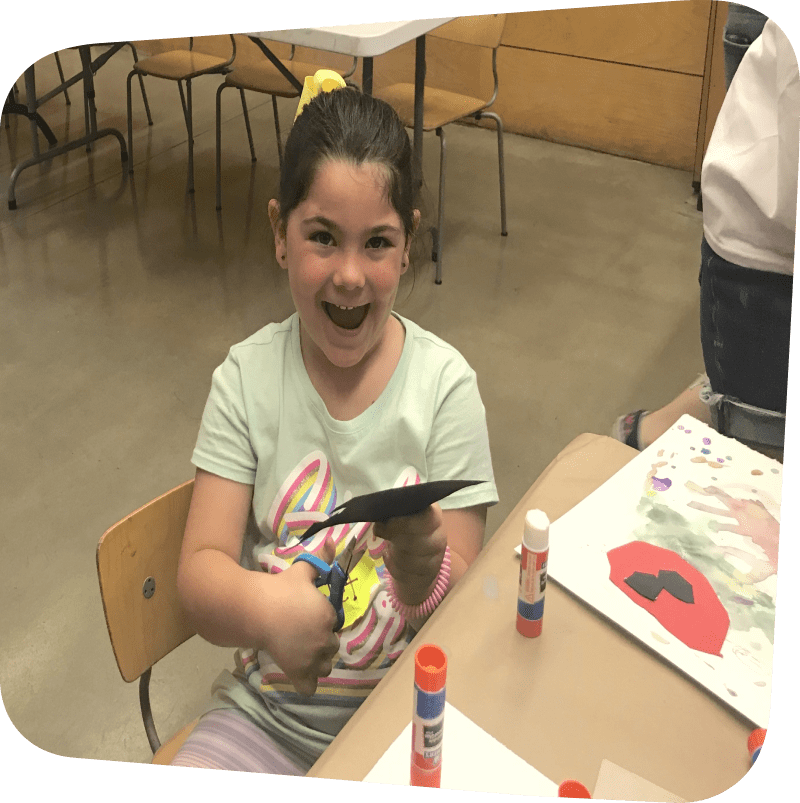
{"x":641,"y":81}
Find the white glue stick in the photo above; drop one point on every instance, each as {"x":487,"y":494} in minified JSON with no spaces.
{"x":533,"y":573}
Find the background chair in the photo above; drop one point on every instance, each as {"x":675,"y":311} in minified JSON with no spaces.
{"x":443,"y":106}
{"x":137,"y":566}
{"x":182,"y":66}
{"x":252,"y":70}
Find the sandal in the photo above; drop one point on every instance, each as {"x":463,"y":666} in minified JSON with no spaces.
{"x":626,"y":428}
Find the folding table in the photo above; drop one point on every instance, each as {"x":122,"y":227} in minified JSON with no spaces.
{"x":88,"y":68}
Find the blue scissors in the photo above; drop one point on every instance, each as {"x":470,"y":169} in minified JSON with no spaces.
{"x":333,"y":576}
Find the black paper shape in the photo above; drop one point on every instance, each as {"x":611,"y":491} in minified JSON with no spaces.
{"x":650,"y":586}
{"x":390,"y":504}
{"x":647,"y":585}
{"x":679,"y":587}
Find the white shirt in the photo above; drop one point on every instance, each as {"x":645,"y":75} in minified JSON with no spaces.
{"x":749,"y":178}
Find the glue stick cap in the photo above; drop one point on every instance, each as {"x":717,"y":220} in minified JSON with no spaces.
{"x":430,"y":668}
{"x":755,"y":740}
{"x":537,"y":531}
{"x":572,"y":788}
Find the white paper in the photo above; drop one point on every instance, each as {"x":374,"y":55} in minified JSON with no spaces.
{"x":472,"y":761}
{"x":674,"y":476}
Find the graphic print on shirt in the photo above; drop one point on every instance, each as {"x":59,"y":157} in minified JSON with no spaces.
{"x":374,"y":633}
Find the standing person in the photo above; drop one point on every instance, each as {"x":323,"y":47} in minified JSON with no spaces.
{"x":345,"y":397}
{"x":749,"y":183}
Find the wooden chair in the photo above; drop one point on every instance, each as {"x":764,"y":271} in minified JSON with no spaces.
{"x":443,"y":106}
{"x":181,"y":66}
{"x":257,"y":74}
{"x":137,"y":566}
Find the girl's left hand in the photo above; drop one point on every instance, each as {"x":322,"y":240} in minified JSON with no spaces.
{"x":415,"y":552}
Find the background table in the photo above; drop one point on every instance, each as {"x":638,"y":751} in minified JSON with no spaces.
{"x":366,"y":41}
{"x":92,"y":133}
{"x":581,"y":692}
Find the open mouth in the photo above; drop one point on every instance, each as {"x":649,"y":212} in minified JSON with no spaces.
{"x":346,"y":317}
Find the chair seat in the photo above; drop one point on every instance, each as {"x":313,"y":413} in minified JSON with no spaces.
{"x":441,"y":107}
{"x":169,"y":749}
{"x":264,"y":77}
{"x":178,"y":65}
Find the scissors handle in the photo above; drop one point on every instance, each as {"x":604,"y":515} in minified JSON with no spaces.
{"x":331,"y":576}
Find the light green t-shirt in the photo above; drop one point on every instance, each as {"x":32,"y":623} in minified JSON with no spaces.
{"x":265,"y":425}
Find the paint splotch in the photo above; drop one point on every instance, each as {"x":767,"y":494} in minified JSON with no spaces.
{"x":661,"y":484}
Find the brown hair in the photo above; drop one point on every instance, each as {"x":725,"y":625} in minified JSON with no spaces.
{"x":350,"y":126}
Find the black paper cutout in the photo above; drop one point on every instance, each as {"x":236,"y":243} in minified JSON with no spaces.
{"x":647,"y":585}
{"x":650,"y":586}
{"x":678,"y":586}
{"x":390,"y":504}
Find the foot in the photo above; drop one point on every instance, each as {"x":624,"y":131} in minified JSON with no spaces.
{"x":627,"y":429}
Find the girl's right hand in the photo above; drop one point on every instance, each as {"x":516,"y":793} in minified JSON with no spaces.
{"x":302,"y":641}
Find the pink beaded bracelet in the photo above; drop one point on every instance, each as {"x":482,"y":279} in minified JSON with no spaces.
{"x":427,"y":607}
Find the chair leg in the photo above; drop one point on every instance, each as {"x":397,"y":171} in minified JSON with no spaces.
{"x":130,"y":124}
{"x":141,"y":84}
{"x":499,"y":123}
{"x":61,"y":76}
{"x":219,"y":145}
{"x":439,"y":238}
{"x":186,"y":102}
{"x":247,"y":126}
{"x":277,"y":130}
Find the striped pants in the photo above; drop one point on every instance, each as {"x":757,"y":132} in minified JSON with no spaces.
{"x":226,"y":739}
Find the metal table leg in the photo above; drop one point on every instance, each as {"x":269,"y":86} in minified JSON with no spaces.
{"x":419,"y":105}
{"x":92,"y":133}
{"x":366,"y":76}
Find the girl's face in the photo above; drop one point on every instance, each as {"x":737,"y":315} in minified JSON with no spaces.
{"x":345,"y":249}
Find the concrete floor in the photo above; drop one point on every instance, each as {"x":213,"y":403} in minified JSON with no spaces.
{"x":120,"y":295}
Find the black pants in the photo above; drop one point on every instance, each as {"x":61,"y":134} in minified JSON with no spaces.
{"x":744,"y":330}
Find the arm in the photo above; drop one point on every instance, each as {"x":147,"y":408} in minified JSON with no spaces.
{"x":232,"y":607}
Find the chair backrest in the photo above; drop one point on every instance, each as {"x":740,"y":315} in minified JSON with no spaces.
{"x":221,"y":45}
{"x":485,"y":30}
{"x":137,"y":566}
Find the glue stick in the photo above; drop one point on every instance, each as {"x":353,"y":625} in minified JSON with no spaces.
{"x":754,"y":743}
{"x":533,"y":573}
{"x":427,"y":722}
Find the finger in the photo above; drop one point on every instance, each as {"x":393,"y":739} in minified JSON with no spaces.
{"x":304,"y":569}
{"x":328,"y":551}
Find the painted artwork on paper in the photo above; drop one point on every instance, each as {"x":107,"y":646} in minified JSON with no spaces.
{"x":680,"y":548}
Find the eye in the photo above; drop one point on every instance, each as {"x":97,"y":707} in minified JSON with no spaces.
{"x":378,"y":242}
{"x":322,"y":237}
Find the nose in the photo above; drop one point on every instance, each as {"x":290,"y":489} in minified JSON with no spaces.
{"x":349,"y":273}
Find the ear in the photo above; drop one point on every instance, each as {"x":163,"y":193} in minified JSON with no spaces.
{"x":278,"y":230}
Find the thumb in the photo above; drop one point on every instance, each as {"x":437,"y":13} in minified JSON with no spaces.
{"x":328,"y":551}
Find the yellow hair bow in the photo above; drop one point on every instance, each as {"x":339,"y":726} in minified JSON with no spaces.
{"x":321,"y":81}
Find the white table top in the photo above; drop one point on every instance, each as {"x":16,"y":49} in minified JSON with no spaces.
{"x":369,"y":39}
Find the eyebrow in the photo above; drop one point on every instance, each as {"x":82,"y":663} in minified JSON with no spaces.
{"x":329,"y":224}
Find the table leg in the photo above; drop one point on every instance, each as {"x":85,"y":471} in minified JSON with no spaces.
{"x":366,"y":76}
{"x":30,"y":91}
{"x":89,"y":108}
{"x":92,"y":133}
{"x":419,"y":105}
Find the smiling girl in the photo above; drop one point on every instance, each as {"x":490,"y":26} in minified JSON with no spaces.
{"x":343,"y":398}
